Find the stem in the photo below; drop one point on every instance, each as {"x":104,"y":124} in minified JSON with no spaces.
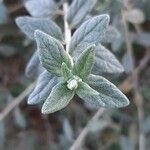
{"x":16,"y":101}
{"x":80,"y":139}
{"x":67,"y":30}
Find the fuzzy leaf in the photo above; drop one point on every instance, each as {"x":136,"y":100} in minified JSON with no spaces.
{"x":34,"y":68}
{"x":105,"y":62}
{"x":41,"y":8}
{"x":90,"y":32}
{"x":58,"y":99}
{"x":51,"y":53}
{"x":66,"y":72}
{"x":43,"y":88}
{"x":109,"y":94}
{"x":29,"y":24}
{"x":84,"y":64}
{"x":88,"y":94}
{"x":111,"y":35}
{"x":78,"y":10}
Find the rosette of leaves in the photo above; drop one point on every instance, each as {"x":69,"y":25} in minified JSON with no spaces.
{"x":67,"y":75}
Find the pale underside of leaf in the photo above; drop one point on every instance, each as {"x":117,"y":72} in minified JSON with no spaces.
{"x":51,"y":53}
{"x":29,"y":25}
{"x":33,"y":68}
{"x":58,"y":99}
{"x":43,"y":88}
{"x":78,"y":10}
{"x":41,"y":8}
{"x":109,"y":94}
{"x":105,"y":62}
{"x":90,"y":32}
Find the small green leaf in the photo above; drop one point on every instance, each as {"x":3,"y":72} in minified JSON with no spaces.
{"x":78,"y":10}
{"x":29,"y":25}
{"x":84,"y":63}
{"x":66,"y":72}
{"x":58,"y":99}
{"x":109,"y":94}
{"x":90,"y":32}
{"x":43,"y":88}
{"x":51,"y":53}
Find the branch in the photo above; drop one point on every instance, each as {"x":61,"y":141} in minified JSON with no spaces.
{"x":80,"y":139}
{"x":67,"y":29}
{"x":16,"y":101}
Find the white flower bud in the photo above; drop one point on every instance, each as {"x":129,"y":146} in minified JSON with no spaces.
{"x":72,"y":84}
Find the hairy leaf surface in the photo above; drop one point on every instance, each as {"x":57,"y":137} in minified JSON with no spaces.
{"x":51,"y":53}
{"x":33,"y":68}
{"x":105,"y":62}
{"x":109,"y":94}
{"x":41,"y":8}
{"x":78,"y":10}
{"x":58,"y":99}
{"x":90,"y":32}
{"x":84,"y":63}
{"x":29,"y":25}
{"x":44,"y":85}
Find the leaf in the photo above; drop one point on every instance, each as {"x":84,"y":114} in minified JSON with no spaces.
{"x":29,"y":24}
{"x":43,"y":88}
{"x":33,"y":68}
{"x":105,"y":62}
{"x":111,"y":35}
{"x":78,"y":11}
{"x":58,"y":99}
{"x":90,"y":32}
{"x":84,"y":64}
{"x":88,"y":94}
{"x":135,"y":16}
{"x":41,"y":8}
{"x":127,"y":63}
{"x":66,"y":72}
{"x":109,"y":94}
{"x":51,"y":53}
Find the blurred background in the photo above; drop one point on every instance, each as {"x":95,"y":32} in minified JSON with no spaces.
{"x":23,"y":127}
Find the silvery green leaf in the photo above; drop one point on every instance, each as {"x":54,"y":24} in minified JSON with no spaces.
{"x":66,"y":72}
{"x":3,"y":14}
{"x":78,"y":10}
{"x":111,"y":35}
{"x":19,"y":118}
{"x":90,"y":32}
{"x":109,"y":94}
{"x":51,"y":53}
{"x":29,"y":24}
{"x":45,"y":83}
{"x":58,"y":99}
{"x":84,"y":63}
{"x":33,"y":68}
{"x":105,"y":62}
{"x":41,"y":8}
{"x":89,"y":95}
